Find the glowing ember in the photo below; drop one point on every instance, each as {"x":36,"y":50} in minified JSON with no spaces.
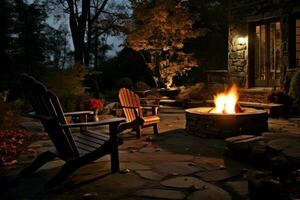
{"x":226,"y":101}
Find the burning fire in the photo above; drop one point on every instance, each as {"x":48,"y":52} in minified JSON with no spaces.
{"x":225,"y":102}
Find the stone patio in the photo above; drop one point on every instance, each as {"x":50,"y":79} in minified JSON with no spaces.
{"x":173,"y":165}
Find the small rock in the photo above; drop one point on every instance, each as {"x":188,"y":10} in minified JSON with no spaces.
{"x":92,"y":195}
{"x":192,"y":164}
{"x":239,"y":187}
{"x":149,"y":139}
{"x":125,"y":171}
{"x":218,"y":175}
{"x":222,"y":167}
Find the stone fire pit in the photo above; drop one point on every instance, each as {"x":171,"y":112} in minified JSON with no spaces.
{"x":200,"y":122}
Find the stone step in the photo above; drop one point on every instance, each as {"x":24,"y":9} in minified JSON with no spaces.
{"x":259,"y":95}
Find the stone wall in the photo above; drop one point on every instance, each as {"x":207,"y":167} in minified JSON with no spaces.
{"x":238,"y":53}
{"x":244,"y":12}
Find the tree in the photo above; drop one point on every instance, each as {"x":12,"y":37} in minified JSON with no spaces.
{"x":57,"y":46}
{"x":88,"y":20}
{"x":5,"y":17}
{"x":213,"y":14}
{"x":29,"y":45}
{"x":159,"y":30}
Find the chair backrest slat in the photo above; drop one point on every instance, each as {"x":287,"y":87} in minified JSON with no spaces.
{"x":45,"y":103}
{"x":129,"y":99}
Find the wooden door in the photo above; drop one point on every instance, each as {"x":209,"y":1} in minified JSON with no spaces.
{"x":267,"y":50}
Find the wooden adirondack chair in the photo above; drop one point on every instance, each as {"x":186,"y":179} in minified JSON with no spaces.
{"x":133,"y":111}
{"x":76,"y":152}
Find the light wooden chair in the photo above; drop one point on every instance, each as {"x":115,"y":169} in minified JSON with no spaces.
{"x":133,"y":110}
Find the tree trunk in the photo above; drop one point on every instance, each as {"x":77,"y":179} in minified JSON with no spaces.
{"x":78,"y":28}
{"x":161,"y":83}
{"x":81,"y":24}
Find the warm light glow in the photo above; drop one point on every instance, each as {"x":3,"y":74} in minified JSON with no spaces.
{"x":226,"y":101}
{"x":241,"y":41}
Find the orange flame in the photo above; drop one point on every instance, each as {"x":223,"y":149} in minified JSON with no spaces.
{"x":226,"y":102}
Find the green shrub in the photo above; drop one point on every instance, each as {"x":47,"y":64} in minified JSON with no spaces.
{"x":10,"y":114}
{"x":141,"y":86}
{"x":196,"y":91}
{"x":125,"y":82}
{"x":68,"y":86}
{"x":294,"y":92}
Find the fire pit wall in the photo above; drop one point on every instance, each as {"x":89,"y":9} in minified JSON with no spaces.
{"x":211,"y":125}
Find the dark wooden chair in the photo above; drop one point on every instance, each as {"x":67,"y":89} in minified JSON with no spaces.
{"x":133,"y":110}
{"x":78,"y":151}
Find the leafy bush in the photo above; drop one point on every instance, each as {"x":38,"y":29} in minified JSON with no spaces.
{"x":68,"y":86}
{"x":141,"y":86}
{"x":10,"y":114}
{"x":125,"y":82}
{"x":278,"y":96}
{"x":294,"y":92}
{"x":192,"y":92}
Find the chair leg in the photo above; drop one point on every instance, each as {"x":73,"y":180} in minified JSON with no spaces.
{"x":37,"y":163}
{"x":114,"y":140}
{"x":71,"y":166}
{"x":155,"y":129}
{"x":138,"y":131}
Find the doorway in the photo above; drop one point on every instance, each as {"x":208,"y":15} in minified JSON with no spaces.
{"x":267,"y":54}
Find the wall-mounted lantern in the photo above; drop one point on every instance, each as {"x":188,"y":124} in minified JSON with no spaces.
{"x":241,"y":40}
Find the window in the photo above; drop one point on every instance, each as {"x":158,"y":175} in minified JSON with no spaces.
{"x":297,"y":39}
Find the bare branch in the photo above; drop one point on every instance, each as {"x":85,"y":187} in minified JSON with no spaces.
{"x":98,"y":12}
{"x":76,"y":10}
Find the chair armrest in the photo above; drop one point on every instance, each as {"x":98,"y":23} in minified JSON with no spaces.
{"x":98,"y":123}
{"x":153,"y":108}
{"x":78,"y":113}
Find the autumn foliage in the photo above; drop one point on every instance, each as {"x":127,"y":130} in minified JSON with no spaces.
{"x":11,"y":143}
{"x":158,"y":31}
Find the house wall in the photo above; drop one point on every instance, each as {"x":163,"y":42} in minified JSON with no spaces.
{"x":242,"y":14}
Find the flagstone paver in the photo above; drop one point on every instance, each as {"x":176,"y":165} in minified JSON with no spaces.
{"x":133,"y":166}
{"x":173,"y":165}
{"x":186,"y":182}
{"x":32,"y":126}
{"x":148,"y":174}
{"x":149,"y":149}
{"x":209,"y":163}
{"x":52,"y":164}
{"x":210,"y":193}
{"x":218,"y":175}
{"x":161,"y":193}
{"x":180,"y":168}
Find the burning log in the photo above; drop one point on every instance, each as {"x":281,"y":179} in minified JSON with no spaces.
{"x":238,"y":108}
